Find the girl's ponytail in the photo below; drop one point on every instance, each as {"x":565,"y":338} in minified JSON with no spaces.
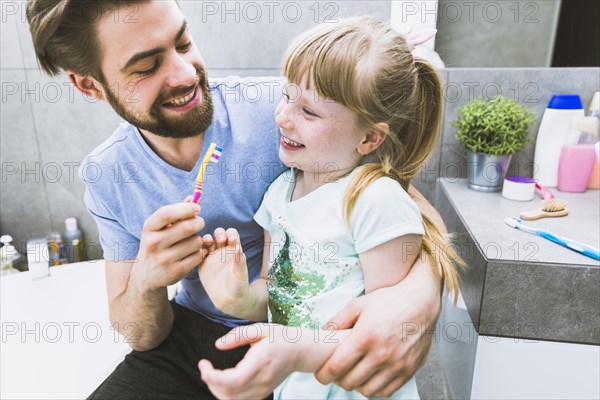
{"x":422,"y":131}
{"x":426,"y":126}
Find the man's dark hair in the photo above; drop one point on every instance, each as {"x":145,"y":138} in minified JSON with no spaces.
{"x":64,"y":32}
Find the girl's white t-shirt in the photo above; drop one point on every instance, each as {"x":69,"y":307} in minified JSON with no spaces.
{"x":314,"y":266}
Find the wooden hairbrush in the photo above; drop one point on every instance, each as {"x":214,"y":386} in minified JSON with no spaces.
{"x":550,"y":208}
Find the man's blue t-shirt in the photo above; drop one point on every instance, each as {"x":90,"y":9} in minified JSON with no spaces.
{"x":126,"y":181}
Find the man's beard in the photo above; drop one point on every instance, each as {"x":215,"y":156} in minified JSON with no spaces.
{"x":190,"y":124}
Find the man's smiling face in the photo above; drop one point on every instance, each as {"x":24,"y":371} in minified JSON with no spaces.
{"x":154,"y":74}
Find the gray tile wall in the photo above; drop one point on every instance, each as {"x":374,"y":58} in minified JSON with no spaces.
{"x":250,"y":38}
{"x":495,"y":33}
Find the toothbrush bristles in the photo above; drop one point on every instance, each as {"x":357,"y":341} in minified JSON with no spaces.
{"x":216,"y":155}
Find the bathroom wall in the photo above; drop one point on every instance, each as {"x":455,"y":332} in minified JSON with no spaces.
{"x":496,"y":33}
{"x":47,"y":127}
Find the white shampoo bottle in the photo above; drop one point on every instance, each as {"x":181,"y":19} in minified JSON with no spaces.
{"x":551,"y":136}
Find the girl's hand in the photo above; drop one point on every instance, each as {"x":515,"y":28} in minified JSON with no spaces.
{"x":275,"y":353}
{"x":224,"y":273}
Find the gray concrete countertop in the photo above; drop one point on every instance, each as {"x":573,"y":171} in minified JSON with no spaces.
{"x":518,"y":284}
{"x":484,"y":214}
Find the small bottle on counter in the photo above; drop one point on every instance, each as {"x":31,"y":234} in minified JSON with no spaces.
{"x":10,"y":258}
{"x":73,"y":241}
{"x":56,"y":250}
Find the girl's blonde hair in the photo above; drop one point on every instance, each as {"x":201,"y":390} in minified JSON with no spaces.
{"x":366,"y":66}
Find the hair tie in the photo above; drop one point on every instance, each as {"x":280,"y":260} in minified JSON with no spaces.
{"x":413,"y":39}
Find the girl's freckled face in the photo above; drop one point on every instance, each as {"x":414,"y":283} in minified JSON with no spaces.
{"x":318,"y":134}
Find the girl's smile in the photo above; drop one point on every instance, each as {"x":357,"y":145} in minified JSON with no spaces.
{"x":290,"y":145}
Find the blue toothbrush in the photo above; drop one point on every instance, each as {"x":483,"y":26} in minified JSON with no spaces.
{"x":568,"y":243}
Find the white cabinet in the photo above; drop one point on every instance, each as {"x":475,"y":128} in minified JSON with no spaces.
{"x":487,"y":367}
{"x":507,"y":368}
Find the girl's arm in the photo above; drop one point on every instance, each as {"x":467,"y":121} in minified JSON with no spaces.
{"x":389,"y":263}
{"x":276,"y":352}
{"x":224,"y":275}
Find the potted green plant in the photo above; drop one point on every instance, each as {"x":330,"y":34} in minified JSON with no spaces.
{"x":492,"y":131}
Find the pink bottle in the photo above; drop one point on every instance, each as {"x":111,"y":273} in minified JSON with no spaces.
{"x":578,"y":155}
{"x":575,"y":167}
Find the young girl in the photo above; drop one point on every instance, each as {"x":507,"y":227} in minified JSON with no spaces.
{"x":358,"y":119}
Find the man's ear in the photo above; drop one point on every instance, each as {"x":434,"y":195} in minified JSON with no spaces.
{"x":86,"y":85}
{"x":373,"y":139}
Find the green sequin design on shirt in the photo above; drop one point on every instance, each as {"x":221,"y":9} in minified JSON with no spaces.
{"x":290,"y":288}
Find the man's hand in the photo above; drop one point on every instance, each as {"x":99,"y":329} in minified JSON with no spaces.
{"x":169,"y":247}
{"x":387,"y":344}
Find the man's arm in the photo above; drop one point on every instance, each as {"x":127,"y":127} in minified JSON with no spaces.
{"x":137,"y":289}
{"x":388,"y":344}
{"x":144,"y":318}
